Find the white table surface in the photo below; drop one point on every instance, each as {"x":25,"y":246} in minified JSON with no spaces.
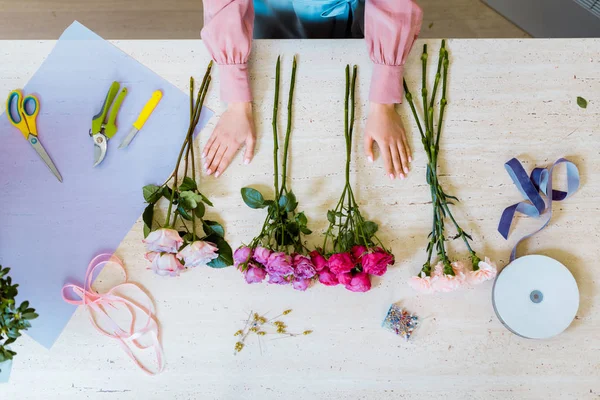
{"x":507,"y":98}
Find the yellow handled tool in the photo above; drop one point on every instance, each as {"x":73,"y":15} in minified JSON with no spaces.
{"x":143,"y":117}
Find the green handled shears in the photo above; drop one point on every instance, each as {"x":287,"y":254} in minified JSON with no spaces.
{"x":22,"y":112}
{"x":101,"y":132}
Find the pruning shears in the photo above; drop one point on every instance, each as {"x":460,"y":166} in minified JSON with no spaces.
{"x":101,"y":131}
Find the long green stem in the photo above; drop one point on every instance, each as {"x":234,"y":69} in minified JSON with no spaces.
{"x":424,"y":87}
{"x":275,"y":137}
{"x":288,"y":129}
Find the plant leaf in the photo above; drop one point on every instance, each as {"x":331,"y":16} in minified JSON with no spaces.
{"x":184,"y":214}
{"x":370,"y":228}
{"x":188,"y":184}
{"x":283,"y":202}
{"x":199,"y":210}
{"x":152,"y":193}
{"x":291,"y":203}
{"x":581,"y":102}
{"x":301,"y":219}
{"x":331,"y":216}
{"x":205,"y":199}
{"x":148,"y":216}
{"x":214,"y":227}
{"x":189,"y":200}
{"x":305,"y":230}
{"x":225,"y":258}
{"x":30,"y":315}
{"x":253,"y":198}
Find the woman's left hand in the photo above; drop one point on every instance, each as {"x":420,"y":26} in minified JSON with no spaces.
{"x":384,"y":126}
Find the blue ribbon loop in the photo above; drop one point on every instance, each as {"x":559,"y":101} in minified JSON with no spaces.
{"x":532,"y":187}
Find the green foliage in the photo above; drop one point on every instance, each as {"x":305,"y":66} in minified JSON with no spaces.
{"x":581,"y":102}
{"x":253,"y":198}
{"x":152,"y":193}
{"x":188,"y":184}
{"x":225,"y":258}
{"x":13,"y":319}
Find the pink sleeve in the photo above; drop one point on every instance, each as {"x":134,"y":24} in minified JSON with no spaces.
{"x":391,"y":28}
{"x":227,"y":34}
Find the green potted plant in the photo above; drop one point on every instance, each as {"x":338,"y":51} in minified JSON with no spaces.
{"x":13,"y":320}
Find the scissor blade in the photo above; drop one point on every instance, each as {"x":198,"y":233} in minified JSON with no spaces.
{"x":34,"y":141}
{"x":99,"y":148}
{"x":129,"y":137}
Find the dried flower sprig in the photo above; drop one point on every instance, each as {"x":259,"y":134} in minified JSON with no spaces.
{"x":446,"y":275}
{"x":261,"y":326}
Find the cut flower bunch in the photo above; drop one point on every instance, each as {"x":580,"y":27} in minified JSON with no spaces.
{"x":277,"y":253}
{"x":446,"y":275}
{"x":351,"y":251}
{"x":177,"y":245}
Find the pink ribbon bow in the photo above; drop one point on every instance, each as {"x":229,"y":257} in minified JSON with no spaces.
{"x":98,"y":303}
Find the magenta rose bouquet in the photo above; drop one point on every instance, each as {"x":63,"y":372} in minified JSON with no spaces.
{"x":446,"y":275}
{"x":277,"y":253}
{"x":177,"y":244}
{"x":351,"y":250}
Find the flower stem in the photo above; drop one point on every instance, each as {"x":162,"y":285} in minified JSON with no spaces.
{"x":275,"y":137}
{"x":288,"y":129}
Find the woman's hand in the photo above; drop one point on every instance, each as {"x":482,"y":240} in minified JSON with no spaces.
{"x":384,"y":126}
{"x":235,"y":127}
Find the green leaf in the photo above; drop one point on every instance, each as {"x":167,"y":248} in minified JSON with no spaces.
{"x":213,"y":227}
{"x":205,"y":199}
{"x":199,"y":210}
{"x":184,"y":214}
{"x":188,"y":184}
{"x":189,"y":200}
{"x":152,"y":193}
{"x":167,"y":192}
{"x":292,"y":228}
{"x":305,"y":230}
{"x":9,"y":341}
{"x":253,"y":198}
{"x":148,"y":216}
{"x":225,"y":258}
{"x":331,"y":216}
{"x":283,"y":202}
{"x":370,"y":228}
{"x":24,"y":305}
{"x":301,"y":219}
{"x":581,"y":102}
{"x":30,"y":316}
{"x":292,"y":203}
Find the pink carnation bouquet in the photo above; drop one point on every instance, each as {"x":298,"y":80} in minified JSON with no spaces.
{"x":177,"y":244}
{"x":351,"y":251}
{"x":445,"y":275}
{"x":277,"y":254}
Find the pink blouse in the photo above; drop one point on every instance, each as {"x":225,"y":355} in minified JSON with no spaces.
{"x":391,"y":28}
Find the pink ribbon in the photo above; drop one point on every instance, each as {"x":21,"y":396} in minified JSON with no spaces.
{"x":98,"y":303}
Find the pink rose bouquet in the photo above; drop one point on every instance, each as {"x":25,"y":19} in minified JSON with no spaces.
{"x":277,"y":254}
{"x":351,"y":251}
{"x":177,"y":245}
{"x":445,"y":275}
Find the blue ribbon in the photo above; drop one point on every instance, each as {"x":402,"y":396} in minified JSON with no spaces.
{"x":532,"y":188}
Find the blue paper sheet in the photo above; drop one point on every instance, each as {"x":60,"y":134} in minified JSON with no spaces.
{"x":49,"y":231}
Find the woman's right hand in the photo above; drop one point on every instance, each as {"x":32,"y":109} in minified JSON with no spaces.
{"x":235,"y":127}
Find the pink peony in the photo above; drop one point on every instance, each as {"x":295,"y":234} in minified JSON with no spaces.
{"x":163,"y":240}
{"x":242,"y":255}
{"x":357,"y":252}
{"x":376,"y":263}
{"x":279,"y":264}
{"x":278,"y":280}
{"x":303,"y":267}
{"x":344,"y":278}
{"x":446,"y":283}
{"x":360,"y":282}
{"x":326,"y":277}
{"x":423,"y":283}
{"x":261,"y":255}
{"x":487,"y":271}
{"x":340,"y":263}
{"x":164,"y":264}
{"x":300,"y":284}
{"x":318,"y":260}
{"x":254,"y":274}
{"x":198,"y":253}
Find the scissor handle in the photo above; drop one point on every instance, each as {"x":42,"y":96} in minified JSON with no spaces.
{"x":15,"y":98}
{"x":31,"y":109}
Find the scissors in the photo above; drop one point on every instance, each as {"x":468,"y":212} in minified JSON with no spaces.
{"x":27,"y":109}
{"x":102,"y":131}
